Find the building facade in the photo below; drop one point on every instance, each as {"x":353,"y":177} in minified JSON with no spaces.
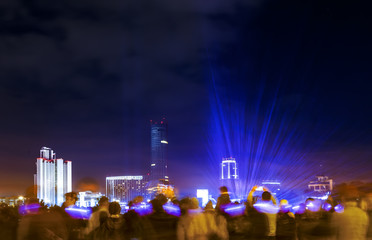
{"x":322,"y":184}
{"x":273,"y":186}
{"x":53,"y":177}
{"x":159,"y":152}
{"x":88,"y":199}
{"x":125,"y":188}
{"x":229,"y":176}
{"x":229,"y":169}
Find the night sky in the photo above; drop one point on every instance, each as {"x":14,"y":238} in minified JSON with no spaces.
{"x":86,"y":77}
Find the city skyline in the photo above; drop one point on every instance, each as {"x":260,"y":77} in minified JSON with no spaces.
{"x":282,"y":87}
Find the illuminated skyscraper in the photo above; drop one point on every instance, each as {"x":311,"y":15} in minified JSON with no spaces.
{"x":53,"y":177}
{"x":229,"y":169}
{"x":159,"y":152}
{"x":125,"y":188}
{"x":229,"y":175}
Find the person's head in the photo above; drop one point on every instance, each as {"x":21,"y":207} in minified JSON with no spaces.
{"x":162,"y":199}
{"x":185,"y":202}
{"x":103,"y":202}
{"x":137,"y":200}
{"x":157,"y":205}
{"x":114,"y":208}
{"x":312,"y":205}
{"x":284,"y":206}
{"x":266,"y":196}
{"x":283,"y":202}
{"x":223,"y":189}
{"x":309,"y":200}
{"x":70,"y":199}
{"x":209,"y":207}
{"x":194,"y":203}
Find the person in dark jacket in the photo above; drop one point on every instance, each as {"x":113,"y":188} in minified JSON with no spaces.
{"x":223,"y":199}
{"x":160,"y":225}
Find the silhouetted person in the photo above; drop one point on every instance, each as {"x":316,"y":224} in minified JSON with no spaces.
{"x":93,"y":222}
{"x":116,"y":221}
{"x":262,"y":215}
{"x":74,"y":226}
{"x":223,"y":199}
{"x":313,"y":223}
{"x":8,"y":222}
{"x":160,"y":225}
{"x":353,"y":222}
{"x":133,"y":227}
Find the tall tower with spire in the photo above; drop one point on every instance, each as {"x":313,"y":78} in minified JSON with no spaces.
{"x":159,"y":152}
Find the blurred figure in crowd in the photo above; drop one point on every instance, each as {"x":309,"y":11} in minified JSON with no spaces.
{"x":133,"y":227}
{"x":184,"y":220}
{"x":116,"y":221}
{"x":40,"y":224}
{"x":70,"y":200}
{"x":8,"y":222}
{"x":353,"y":222}
{"x":286,"y":223}
{"x":94,"y":220}
{"x":262,"y":214}
{"x":110,"y":224}
{"x":223,"y":199}
{"x":160,"y":225}
{"x":74,"y":226}
{"x":367,"y":206}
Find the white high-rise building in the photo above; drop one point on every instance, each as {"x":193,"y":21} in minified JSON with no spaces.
{"x":229,"y":176}
{"x":53,"y":177}
{"x":229,"y":168}
{"x":125,"y":188}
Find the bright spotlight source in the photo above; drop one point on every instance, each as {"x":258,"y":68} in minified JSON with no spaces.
{"x":163,"y":141}
{"x":20,"y":198}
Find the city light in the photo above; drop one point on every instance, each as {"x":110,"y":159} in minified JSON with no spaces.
{"x":339,"y":208}
{"x":235,"y":210}
{"x":79,"y":213}
{"x":266,"y":207}
{"x":203,"y":194}
{"x":125,"y":178}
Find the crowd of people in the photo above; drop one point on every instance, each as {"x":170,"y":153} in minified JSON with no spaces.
{"x":262,"y":217}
